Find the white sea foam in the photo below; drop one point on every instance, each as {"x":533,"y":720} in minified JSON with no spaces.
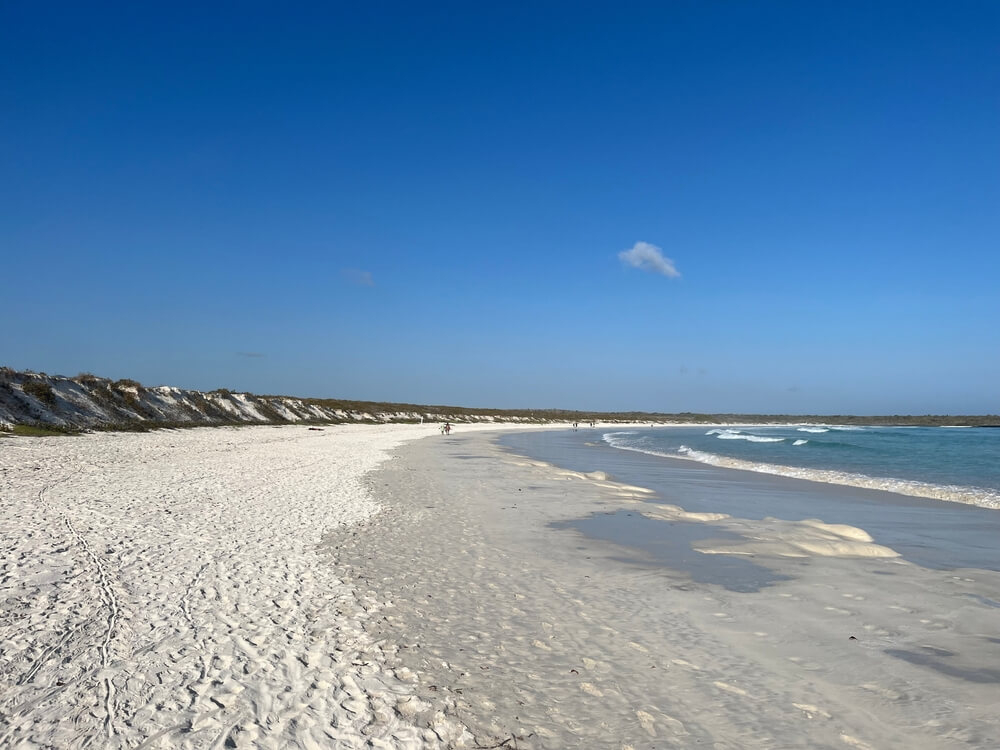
{"x":737,"y":435}
{"x":800,"y":442}
{"x":814,"y":429}
{"x":985,"y":498}
{"x":954,"y":493}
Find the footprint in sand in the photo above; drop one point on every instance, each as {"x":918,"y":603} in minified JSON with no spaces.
{"x":676,"y":726}
{"x":807,"y":665}
{"x":885,"y":692}
{"x":838,"y":610}
{"x":647,"y":722}
{"x":730,"y":688}
{"x":686,"y":664}
{"x":811,"y":711}
{"x":854,"y":742}
{"x":590,"y":689}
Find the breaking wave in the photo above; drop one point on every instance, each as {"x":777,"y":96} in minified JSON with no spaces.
{"x":738,"y":435}
{"x":957,"y":469}
{"x":952,"y":493}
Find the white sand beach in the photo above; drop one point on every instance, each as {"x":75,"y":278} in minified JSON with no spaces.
{"x":166,"y":590}
{"x":355,"y":587}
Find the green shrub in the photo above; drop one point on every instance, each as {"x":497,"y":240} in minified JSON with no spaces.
{"x":30,"y":430}
{"x":40,"y":390}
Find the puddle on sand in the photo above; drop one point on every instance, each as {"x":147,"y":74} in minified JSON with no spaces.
{"x":668,"y":544}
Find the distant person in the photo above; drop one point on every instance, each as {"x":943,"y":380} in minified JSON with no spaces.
{"x":447,"y":428}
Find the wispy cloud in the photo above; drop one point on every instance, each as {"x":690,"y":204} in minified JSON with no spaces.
{"x":359,"y":278}
{"x":647,"y":257}
{"x":700,"y":372}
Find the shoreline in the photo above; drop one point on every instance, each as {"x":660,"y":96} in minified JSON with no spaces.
{"x":389,"y":586}
{"x":979,"y":497}
{"x":926,"y":531}
{"x":982,"y":497}
{"x":544,"y":635}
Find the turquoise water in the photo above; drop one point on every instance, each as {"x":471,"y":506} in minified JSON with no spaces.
{"x":957,"y":464}
{"x":909,"y":518}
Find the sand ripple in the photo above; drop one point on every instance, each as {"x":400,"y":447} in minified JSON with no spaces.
{"x":162,"y":590}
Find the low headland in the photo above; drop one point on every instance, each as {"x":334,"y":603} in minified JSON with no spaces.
{"x":34,"y":403}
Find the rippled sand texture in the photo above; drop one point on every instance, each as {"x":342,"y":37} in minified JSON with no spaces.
{"x":541,"y":637}
{"x":164,"y":590}
{"x":284,"y":587}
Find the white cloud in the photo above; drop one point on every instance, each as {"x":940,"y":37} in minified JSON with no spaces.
{"x":359,"y":278}
{"x":648,"y":257}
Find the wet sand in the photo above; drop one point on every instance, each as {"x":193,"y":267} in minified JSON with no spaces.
{"x":521,"y":627}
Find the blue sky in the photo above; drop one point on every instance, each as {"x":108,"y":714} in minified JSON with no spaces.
{"x":429,"y":202}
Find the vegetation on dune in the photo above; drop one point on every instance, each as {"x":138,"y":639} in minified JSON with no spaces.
{"x":89,"y":379}
{"x":570,"y":415}
{"x":40,"y":390}
{"x":128,"y":386}
{"x":126,"y":404}
{"x":30,"y":430}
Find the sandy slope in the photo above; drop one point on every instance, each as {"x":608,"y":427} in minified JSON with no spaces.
{"x":90,"y":402}
{"x":164,"y":590}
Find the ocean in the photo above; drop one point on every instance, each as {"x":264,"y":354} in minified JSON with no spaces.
{"x":945,"y":463}
{"x":931,"y":494}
